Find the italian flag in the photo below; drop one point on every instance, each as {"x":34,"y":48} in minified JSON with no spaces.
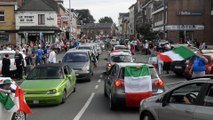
{"x":153,"y":59}
{"x":178,"y":54}
{"x":15,"y":103}
{"x":138,"y":85}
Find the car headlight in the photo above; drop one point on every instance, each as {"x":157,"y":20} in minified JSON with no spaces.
{"x":86,"y":68}
{"x":52,"y":91}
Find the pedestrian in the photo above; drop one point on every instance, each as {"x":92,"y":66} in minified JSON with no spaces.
{"x":198,"y":66}
{"x":203,"y":45}
{"x":28,"y":61}
{"x":146,"y":46}
{"x":39,"y":56}
{"x":52,"y":56}
{"x":94,"y":60}
{"x":19,"y":62}
{"x":6,"y":66}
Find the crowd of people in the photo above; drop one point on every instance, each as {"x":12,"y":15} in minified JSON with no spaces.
{"x":35,"y":53}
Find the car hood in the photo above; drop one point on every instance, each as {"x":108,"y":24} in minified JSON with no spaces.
{"x":78,"y":65}
{"x":40,"y":85}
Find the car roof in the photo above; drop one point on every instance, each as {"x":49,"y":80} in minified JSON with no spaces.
{"x":119,"y":53}
{"x":132,"y":64}
{"x":85,"y":45}
{"x":120,"y":46}
{"x":52,"y":65}
{"x":77,"y":50}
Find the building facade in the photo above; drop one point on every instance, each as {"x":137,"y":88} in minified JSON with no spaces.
{"x":132,"y":19}
{"x":101,"y":30}
{"x":185,"y":20}
{"x":7,"y":22}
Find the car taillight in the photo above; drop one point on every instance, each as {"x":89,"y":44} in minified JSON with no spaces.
{"x":159,"y":83}
{"x":109,"y":65}
{"x":119,"y":83}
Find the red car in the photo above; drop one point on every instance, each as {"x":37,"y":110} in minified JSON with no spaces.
{"x":208,"y":66}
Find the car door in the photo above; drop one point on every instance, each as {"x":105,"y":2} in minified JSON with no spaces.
{"x":204,"y":110}
{"x":110,"y":78}
{"x":181,"y":103}
{"x":67,"y":79}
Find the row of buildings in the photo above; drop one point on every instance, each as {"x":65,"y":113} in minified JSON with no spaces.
{"x":22,"y":21}
{"x":177,"y":20}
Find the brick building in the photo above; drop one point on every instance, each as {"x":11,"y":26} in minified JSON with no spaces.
{"x":185,"y":20}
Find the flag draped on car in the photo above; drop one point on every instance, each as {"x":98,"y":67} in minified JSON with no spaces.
{"x":138,"y":85}
{"x":15,"y":103}
{"x":178,"y":54}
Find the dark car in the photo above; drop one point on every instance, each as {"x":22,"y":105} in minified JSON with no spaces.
{"x":81,"y":62}
{"x":114,"y":84}
{"x":189,"y":101}
{"x":178,"y":67}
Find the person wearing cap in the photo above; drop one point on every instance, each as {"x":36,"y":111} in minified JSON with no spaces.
{"x":5,"y":86}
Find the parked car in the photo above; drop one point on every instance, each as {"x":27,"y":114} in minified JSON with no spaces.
{"x":81,"y":62}
{"x":5,"y":115}
{"x":12,"y":60}
{"x":208,"y":66}
{"x":118,"y":57}
{"x":188,"y":101}
{"x":49,"y":84}
{"x":91,"y":46}
{"x":114,"y":84}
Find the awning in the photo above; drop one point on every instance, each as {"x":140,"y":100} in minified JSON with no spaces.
{"x":35,"y":29}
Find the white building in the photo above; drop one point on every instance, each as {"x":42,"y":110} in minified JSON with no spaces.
{"x":37,"y":20}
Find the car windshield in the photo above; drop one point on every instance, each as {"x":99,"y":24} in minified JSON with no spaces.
{"x":121,"y":58}
{"x":85,"y":48}
{"x":45,"y":73}
{"x":75,"y":57}
{"x":153,"y":73}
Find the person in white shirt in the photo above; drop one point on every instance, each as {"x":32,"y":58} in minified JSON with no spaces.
{"x":52,"y":56}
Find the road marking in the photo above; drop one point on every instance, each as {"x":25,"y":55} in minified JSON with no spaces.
{"x":79,"y":115}
{"x":99,"y":80}
{"x":96,"y":87}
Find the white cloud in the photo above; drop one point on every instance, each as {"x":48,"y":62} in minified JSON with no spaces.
{"x":101,"y":8}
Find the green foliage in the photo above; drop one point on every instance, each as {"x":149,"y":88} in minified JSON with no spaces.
{"x":84,"y":16}
{"x":106,"y":20}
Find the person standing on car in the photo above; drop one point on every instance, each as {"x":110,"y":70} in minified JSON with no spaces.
{"x":198,"y":66}
{"x":19,"y":62}
{"x":6,"y":66}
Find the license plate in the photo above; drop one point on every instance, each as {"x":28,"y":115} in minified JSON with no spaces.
{"x":178,"y":67}
{"x":35,"y":102}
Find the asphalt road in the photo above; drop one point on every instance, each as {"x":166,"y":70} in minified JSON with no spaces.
{"x":89,"y":103}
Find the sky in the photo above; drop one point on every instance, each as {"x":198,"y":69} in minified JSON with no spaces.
{"x":101,"y":8}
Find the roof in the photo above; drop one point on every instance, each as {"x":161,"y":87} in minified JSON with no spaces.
{"x":98,"y":25}
{"x":40,"y":5}
{"x":132,"y":64}
{"x":123,"y":15}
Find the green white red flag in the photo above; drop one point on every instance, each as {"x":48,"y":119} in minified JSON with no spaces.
{"x":138,"y":85}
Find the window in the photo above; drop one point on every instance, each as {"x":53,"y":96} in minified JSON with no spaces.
{"x":2,"y":16}
{"x":208,"y":100}
{"x":41,"y":19}
{"x":186,"y":94}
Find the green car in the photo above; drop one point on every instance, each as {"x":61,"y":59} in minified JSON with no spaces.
{"x":49,"y":84}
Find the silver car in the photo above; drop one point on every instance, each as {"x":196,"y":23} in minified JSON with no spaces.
{"x":189,"y":101}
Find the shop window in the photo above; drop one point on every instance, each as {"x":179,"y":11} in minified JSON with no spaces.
{"x":41,"y":19}
{"x":2,"y":17}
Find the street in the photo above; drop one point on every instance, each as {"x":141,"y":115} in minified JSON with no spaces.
{"x":89,"y":103}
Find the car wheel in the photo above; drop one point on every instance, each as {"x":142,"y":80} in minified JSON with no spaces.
{"x":74,"y":89}
{"x":105,"y":92}
{"x":147,"y":116}
{"x":64,"y":98}
{"x":111,"y":104}
{"x":19,"y":116}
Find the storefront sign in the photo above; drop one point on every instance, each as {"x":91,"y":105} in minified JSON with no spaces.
{"x":26,"y":19}
{"x":185,"y":27}
{"x":189,"y":13}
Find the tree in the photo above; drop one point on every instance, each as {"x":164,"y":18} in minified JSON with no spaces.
{"x":106,"y":20}
{"x":84,"y":16}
